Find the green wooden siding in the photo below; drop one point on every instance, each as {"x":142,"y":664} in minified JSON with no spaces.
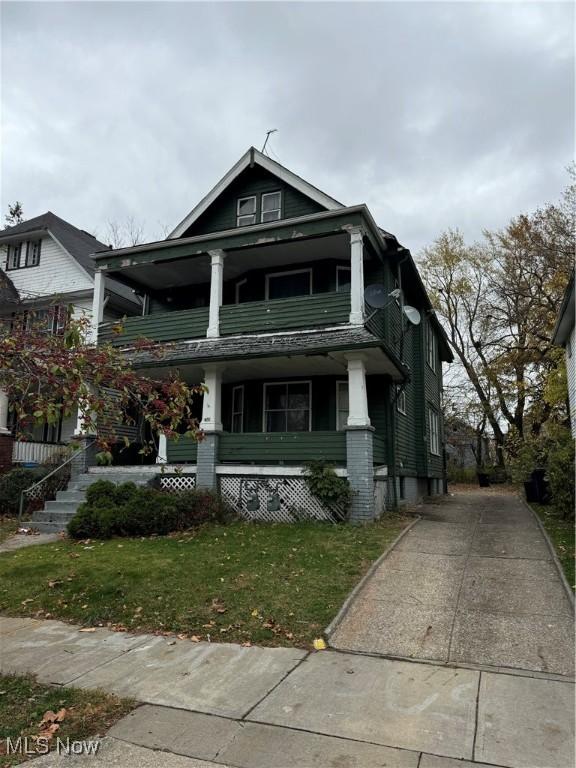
{"x":221,"y":215}
{"x":282,"y":314}
{"x":182,"y":451}
{"x":432,"y":389}
{"x":285,"y":447}
{"x":380,"y":449}
{"x":169,"y":326}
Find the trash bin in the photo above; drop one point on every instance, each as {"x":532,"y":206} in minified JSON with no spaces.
{"x":539,"y":490}
{"x":483,"y":480}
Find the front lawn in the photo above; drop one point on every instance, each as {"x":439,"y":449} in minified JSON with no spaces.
{"x":267,"y":584}
{"x":24,"y":704}
{"x":561,"y":533}
{"x":8,"y":527}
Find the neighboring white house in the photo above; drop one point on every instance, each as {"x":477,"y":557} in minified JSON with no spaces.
{"x":565,"y":336}
{"x":47,"y":261}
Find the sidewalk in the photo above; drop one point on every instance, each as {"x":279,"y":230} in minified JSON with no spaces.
{"x":206,"y":704}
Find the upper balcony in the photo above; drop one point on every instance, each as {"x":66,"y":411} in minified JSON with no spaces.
{"x":304,"y":274}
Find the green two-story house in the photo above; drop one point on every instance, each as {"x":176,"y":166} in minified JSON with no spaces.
{"x":262,"y":292}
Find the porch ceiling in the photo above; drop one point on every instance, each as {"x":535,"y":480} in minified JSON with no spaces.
{"x":325,"y":364}
{"x":194,"y":270}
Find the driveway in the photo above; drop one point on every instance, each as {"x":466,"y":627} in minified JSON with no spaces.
{"x":472,"y":583}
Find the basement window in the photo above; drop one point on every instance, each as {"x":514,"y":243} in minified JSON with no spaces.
{"x":246,"y":211}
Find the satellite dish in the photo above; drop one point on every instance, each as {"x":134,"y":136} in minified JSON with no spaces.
{"x":375,"y":295}
{"x":412,"y":314}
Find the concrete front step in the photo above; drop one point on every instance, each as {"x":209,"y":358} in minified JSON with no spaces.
{"x":71,"y":495}
{"x":62,"y":518}
{"x":61,"y":506}
{"x":43,"y":527}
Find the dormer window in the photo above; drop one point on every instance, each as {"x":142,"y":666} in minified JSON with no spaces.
{"x":271,"y":206}
{"x":22,"y":255}
{"x":33,"y":253}
{"x":246,"y":211}
{"x":14,"y":254}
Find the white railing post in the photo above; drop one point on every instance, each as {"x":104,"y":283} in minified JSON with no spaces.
{"x":357,"y":395}
{"x":97,"y":304}
{"x":216,"y":287}
{"x":162,"y":457}
{"x":4,"y":413}
{"x":212,"y":403}
{"x":356,"y":277}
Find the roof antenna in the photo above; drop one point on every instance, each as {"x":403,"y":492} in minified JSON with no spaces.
{"x":274,"y":130}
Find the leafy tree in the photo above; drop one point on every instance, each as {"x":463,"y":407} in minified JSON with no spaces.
{"x":15,"y":215}
{"x":47,"y":375}
{"x":499,"y":299}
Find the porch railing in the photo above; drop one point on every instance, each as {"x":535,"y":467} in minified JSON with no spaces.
{"x":322,"y":309}
{"x":34,"y":497}
{"x":24,"y":452}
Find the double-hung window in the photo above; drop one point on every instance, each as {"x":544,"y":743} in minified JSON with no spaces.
{"x":238,"y":409}
{"x":33,"y":253}
{"x":431,"y":348}
{"x":271,"y":206}
{"x":342,"y":407}
{"x":401,"y":400}
{"x":246,"y":211}
{"x":287,"y":407}
{"x":14,"y":256}
{"x":433,"y":432}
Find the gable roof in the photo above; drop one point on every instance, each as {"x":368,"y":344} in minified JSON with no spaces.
{"x":250,"y":158}
{"x":76,"y":242}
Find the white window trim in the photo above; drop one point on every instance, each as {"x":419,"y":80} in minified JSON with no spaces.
{"x":341,"y":268}
{"x":272,"y":384}
{"x":338,"y":385}
{"x":242,"y":215}
{"x":401,"y":397}
{"x":284,"y":274}
{"x":239,"y":284}
{"x":235,"y":413}
{"x":279,"y":209}
{"x":433,"y":416}
{"x":30,"y":249}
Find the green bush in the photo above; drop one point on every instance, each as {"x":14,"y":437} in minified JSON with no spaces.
{"x":201,"y":506}
{"x":13,"y":483}
{"x":560,"y":471}
{"x":326,"y":485}
{"x":461,"y":474}
{"x":130,"y":510}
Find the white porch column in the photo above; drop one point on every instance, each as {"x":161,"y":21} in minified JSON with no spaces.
{"x":216,"y":283}
{"x":212,"y":403}
{"x":162,"y":457}
{"x":356,"y":277}
{"x":97,"y":304}
{"x":4,"y":413}
{"x":357,"y":396}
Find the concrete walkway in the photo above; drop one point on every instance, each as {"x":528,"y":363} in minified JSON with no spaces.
{"x":220,"y":704}
{"x":473,"y":583}
{"x":21,"y":540}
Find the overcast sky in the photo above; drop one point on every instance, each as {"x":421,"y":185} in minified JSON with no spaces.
{"x":434,"y":114}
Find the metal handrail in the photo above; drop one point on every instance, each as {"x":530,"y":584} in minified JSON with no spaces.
{"x":76,"y":451}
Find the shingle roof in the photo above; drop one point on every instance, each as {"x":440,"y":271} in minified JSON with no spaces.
{"x":79,"y":244}
{"x":265,"y":345}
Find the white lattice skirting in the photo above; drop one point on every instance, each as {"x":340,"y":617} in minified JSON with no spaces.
{"x":275,"y":499}
{"x":178,"y":482}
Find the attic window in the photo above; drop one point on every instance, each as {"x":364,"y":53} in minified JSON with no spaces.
{"x":271,"y":206}
{"x":33,"y":253}
{"x":246,"y":211}
{"x":14,"y":254}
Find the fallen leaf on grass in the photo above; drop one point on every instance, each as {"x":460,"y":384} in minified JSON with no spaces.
{"x":319,"y":644}
{"x":53,"y":584}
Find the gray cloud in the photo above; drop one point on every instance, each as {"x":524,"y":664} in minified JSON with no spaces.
{"x":435,"y":114}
